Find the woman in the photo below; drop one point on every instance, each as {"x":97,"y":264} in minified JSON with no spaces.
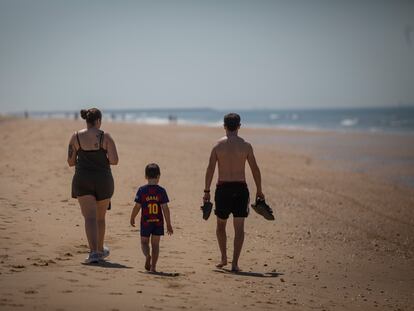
{"x":92,"y":152}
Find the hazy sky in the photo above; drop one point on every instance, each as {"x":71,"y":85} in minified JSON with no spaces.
{"x":221,"y":54}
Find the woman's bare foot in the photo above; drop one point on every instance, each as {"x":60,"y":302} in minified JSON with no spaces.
{"x":222,"y":263}
{"x":148,"y":263}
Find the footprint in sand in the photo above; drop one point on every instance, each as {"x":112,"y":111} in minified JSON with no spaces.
{"x":66,"y":256}
{"x":43,"y":262}
{"x":17,"y":268}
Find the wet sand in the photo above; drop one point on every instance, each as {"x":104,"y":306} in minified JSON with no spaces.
{"x":343,"y":239}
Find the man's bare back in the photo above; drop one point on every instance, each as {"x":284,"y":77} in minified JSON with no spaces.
{"x":232,"y":153}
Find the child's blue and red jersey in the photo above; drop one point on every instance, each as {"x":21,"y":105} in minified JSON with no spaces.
{"x":151,"y":197}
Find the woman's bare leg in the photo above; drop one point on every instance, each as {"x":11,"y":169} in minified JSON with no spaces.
{"x":100,"y":222}
{"x":88,"y":208}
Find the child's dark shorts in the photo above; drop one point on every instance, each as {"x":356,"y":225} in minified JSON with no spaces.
{"x":154,"y":228}
{"x":231,"y":198}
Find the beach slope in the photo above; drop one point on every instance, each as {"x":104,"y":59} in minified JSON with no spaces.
{"x":342,"y":240}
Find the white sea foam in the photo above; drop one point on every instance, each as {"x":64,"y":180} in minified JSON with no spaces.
{"x":274,"y":116}
{"x":349,"y":122}
{"x":152,"y":120}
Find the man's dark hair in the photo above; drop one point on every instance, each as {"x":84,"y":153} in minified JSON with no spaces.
{"x":232,"y":121}
{"x":152,"y":170}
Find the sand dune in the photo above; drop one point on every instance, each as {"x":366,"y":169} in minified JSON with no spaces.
{"x":342,"y":240}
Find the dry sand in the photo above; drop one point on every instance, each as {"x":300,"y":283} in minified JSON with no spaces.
{"x":342,"y":240}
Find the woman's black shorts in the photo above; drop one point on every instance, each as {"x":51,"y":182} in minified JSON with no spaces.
{"x":98,"y":184}
{"x":231,"y":198}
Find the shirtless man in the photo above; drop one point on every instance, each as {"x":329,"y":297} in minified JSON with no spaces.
{"x":232,"y":195}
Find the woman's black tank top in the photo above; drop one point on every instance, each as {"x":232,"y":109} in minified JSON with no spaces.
{"x":92,"y":160}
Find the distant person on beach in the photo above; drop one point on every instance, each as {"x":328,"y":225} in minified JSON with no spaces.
{"x":232,"y":195}
{"x":92,"y":152}
{"x":152,"y":199}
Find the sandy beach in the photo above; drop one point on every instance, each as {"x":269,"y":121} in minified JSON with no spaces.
{"x":343,"y":238}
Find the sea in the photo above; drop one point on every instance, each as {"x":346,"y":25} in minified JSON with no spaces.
{"x":391,"y":120}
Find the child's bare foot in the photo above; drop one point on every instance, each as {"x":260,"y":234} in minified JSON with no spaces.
{"x":222,"y":263}
{"x":153,"y":270}
{"x":235,"y":269}
{"x":148,"y":263}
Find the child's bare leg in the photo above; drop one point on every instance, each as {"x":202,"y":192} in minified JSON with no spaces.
{"x":155,"y":248}
{"x":146,"y":251}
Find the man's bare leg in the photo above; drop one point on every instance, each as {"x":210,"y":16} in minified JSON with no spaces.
{"x":155,"y":250}
{"x":222,"y":241}
{"x":146,"y":251}
{"x":238,"y":223}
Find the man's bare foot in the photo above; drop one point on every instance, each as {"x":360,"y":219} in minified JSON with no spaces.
{"x":222,"y":263}
{"x":148,"y":263}
{"x":235,"y":269}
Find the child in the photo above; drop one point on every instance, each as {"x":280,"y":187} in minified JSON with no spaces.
{"x":152,"y":199}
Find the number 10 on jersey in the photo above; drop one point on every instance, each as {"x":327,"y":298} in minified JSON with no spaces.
{"x":153,"y":208}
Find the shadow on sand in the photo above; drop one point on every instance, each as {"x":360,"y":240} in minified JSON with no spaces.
{"x":107,"y":264}
{"x":160,"y":273}
{"x":249,"y":273}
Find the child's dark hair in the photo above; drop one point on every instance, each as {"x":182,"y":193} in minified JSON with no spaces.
{"x":91,"y":115}
{"x":232,"y":121}
{"x":152,"y":170}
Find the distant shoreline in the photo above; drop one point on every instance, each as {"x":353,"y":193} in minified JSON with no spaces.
{"x":157,"y":121}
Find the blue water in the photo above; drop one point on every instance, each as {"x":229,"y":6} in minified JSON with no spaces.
{"x":399,"y":120}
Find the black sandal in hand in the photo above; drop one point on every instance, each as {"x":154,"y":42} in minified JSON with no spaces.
{"x":206,"y":208}
{"x":263,"y":209}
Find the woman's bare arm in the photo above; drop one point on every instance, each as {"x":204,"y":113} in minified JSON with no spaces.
{"x":72,"y":151}
{"x":111,"y":150}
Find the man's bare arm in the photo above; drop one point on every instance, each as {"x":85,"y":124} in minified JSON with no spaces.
{"x":210,"y":173}
{"x":255,"y":171}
